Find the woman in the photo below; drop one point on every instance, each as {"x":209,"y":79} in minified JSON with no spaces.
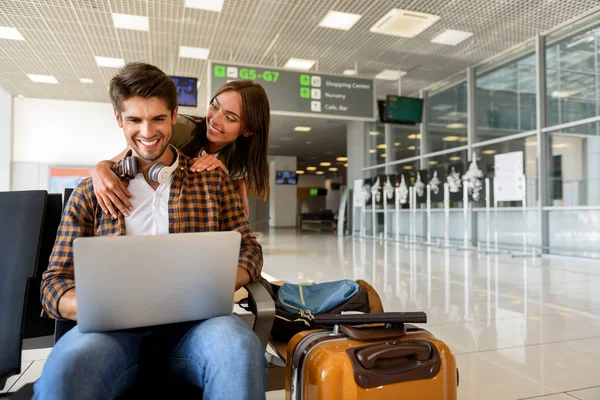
{"x":233,"y":136}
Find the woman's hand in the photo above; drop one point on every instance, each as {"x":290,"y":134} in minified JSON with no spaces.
{"x":207,"y":162}
{"x":111,"y":192}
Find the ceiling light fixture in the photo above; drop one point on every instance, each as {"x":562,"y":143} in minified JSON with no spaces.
{"x":42,"y":78}
{"x":397,"y":144}
{"x":300,"y":172}
{"x":489,"y":152}
{"x":342,"y":159}
{"x":311,"y":168}
{"x":133,"y":22}
{"x":86,"y":80}
{"x":381,"y":146}
{"x":414,"y":136}
{"x":411,"y":148}
{"x":339,"y":20}
{"x":455,"y":126}
{"x":404,"y":23}
{"x":373,"y":133}
{"x":451,"y":37}
{"x":109,"y":62}
{"x":390,"y":75}
{"x":319,"y":172}
{"x":407,"y":167}
{"x":372,"y":151}
{"x":433,"y":162}
{"x":560,"y":145}
{"x":298,"y":63}
{"x":455,"y":158}
{"x":302,"y":129}
{"x":349,"y":72}
{"x":208,"y":5}
{"x":450,"y":138}
{"x":198,"y":53}
{"x":10,"y":33}
{"x":325,"y":164}
{"x":333,"y":169}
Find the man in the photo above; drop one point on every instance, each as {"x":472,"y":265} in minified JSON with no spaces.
{"x":221,"y":355}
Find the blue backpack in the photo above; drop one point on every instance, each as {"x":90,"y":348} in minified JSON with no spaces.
{"x":315,"y":298}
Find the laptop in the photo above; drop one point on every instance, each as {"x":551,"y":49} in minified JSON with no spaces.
{"x":125,"y":282}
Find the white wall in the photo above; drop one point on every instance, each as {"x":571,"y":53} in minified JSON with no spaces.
{"x":314,"y":181}
{"x":282,"y":200}
{"x":60,"y":133}
{"x":5,"y":139}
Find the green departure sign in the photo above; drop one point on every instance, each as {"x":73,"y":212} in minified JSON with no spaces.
{"x":303,"y":93}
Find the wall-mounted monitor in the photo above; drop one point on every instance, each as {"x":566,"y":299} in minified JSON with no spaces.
{"x":187,"y":91}
{"x":401,"y":110}
{"x":286,"y":178}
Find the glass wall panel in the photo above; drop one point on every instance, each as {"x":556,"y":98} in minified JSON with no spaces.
{"x":485,"y":160}
{"x":572,"y":78}
{"x":405,"y":142}
{"x":375,"y":144}
{"x":447,"y":118}
{"x":574,"y":171}
{"x":506,"y":100}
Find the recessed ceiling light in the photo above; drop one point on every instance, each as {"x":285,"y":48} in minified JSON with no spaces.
{"x":450,"y":139}
{"x":325,"y":164}
{"x":531,"y":143}
{"x":451,"y":37}
{"x":561,"y":94}
{"x":397,"y":144}
{"x":319,"y":172}
{"x":298,"y":63}
{"x":433,"y":162}
{"x":489,"y":152}
{"x":208,"y":5}
{"x":311,"y":168}
{"x":133,"y":22}
{"x":349,"y":72}
{"x":342,"y":159}
{"x":455,"y":158}
{"x":412,"y":148}
{"x":404,"y":23}
{"x":372,"y":151}
{"x":346,"y":165}
{"x":381,"y":146}
{"x":455,"y":126}
{"x":407,"y":167}
{"x":373,"y":133}
{"x":383,"y":155}
{"x":198,"y":53}
{"x":333,"y":169}
{"x":300,"y":172}
{"x":10,"y":33}
{"x":42,"y":78}
{"x":560,"y":145}
{"x":463,"y":139}
{"x":86,"y":80}
{"x":109,"y":62}
{"x":414,"y":136}
{"x":339,"y":20}
{"x":390,"y":75}
{"x":302,"y":129}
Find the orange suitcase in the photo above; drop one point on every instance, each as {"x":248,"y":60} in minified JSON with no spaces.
{"x":390,"y":361}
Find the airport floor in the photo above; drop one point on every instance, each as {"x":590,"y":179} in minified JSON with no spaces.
{"x":521,"y":328}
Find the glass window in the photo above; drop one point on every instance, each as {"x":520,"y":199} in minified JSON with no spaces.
{"x":486,"y":162}
{"x":405,"y":142}
{"x":375,"y":144}
{"x":572,"y":78}
{"x":506,"y":100}
{"x":447,"y":118}
{"x":574,"y":171}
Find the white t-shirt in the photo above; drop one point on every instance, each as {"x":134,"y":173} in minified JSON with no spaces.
{"x":150,"y":215}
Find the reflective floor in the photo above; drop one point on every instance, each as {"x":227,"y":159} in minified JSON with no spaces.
{"x":520,"y":328}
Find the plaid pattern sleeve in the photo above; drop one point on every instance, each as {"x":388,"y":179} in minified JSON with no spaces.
{"x":232,"y":217}
{"x":77,"y":220}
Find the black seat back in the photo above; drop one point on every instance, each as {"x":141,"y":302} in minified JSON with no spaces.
{"x":21,"y":222}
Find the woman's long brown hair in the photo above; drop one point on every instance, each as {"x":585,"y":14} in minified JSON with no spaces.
{"x":249,"y":154}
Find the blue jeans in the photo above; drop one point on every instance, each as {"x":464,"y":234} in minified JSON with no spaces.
{"x":221,"y":355}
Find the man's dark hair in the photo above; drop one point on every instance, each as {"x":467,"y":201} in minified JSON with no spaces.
{"x":144,"y":80}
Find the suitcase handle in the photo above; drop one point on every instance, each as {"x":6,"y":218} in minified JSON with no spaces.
{"x":371,"y":318}
{"x":372,"y":335}
{"x":382,"y":364}
{"x":418,"y":351}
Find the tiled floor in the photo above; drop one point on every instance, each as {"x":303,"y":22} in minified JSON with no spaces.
{"x":520,"y":328}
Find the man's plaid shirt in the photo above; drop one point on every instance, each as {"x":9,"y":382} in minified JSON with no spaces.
{"x":198,"y":202}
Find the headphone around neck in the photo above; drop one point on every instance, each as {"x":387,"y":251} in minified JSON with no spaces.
{"x":158,"y":172}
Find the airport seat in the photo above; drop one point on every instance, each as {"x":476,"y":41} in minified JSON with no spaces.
{"x":22,"y":216}
{"x":261,"y":305}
